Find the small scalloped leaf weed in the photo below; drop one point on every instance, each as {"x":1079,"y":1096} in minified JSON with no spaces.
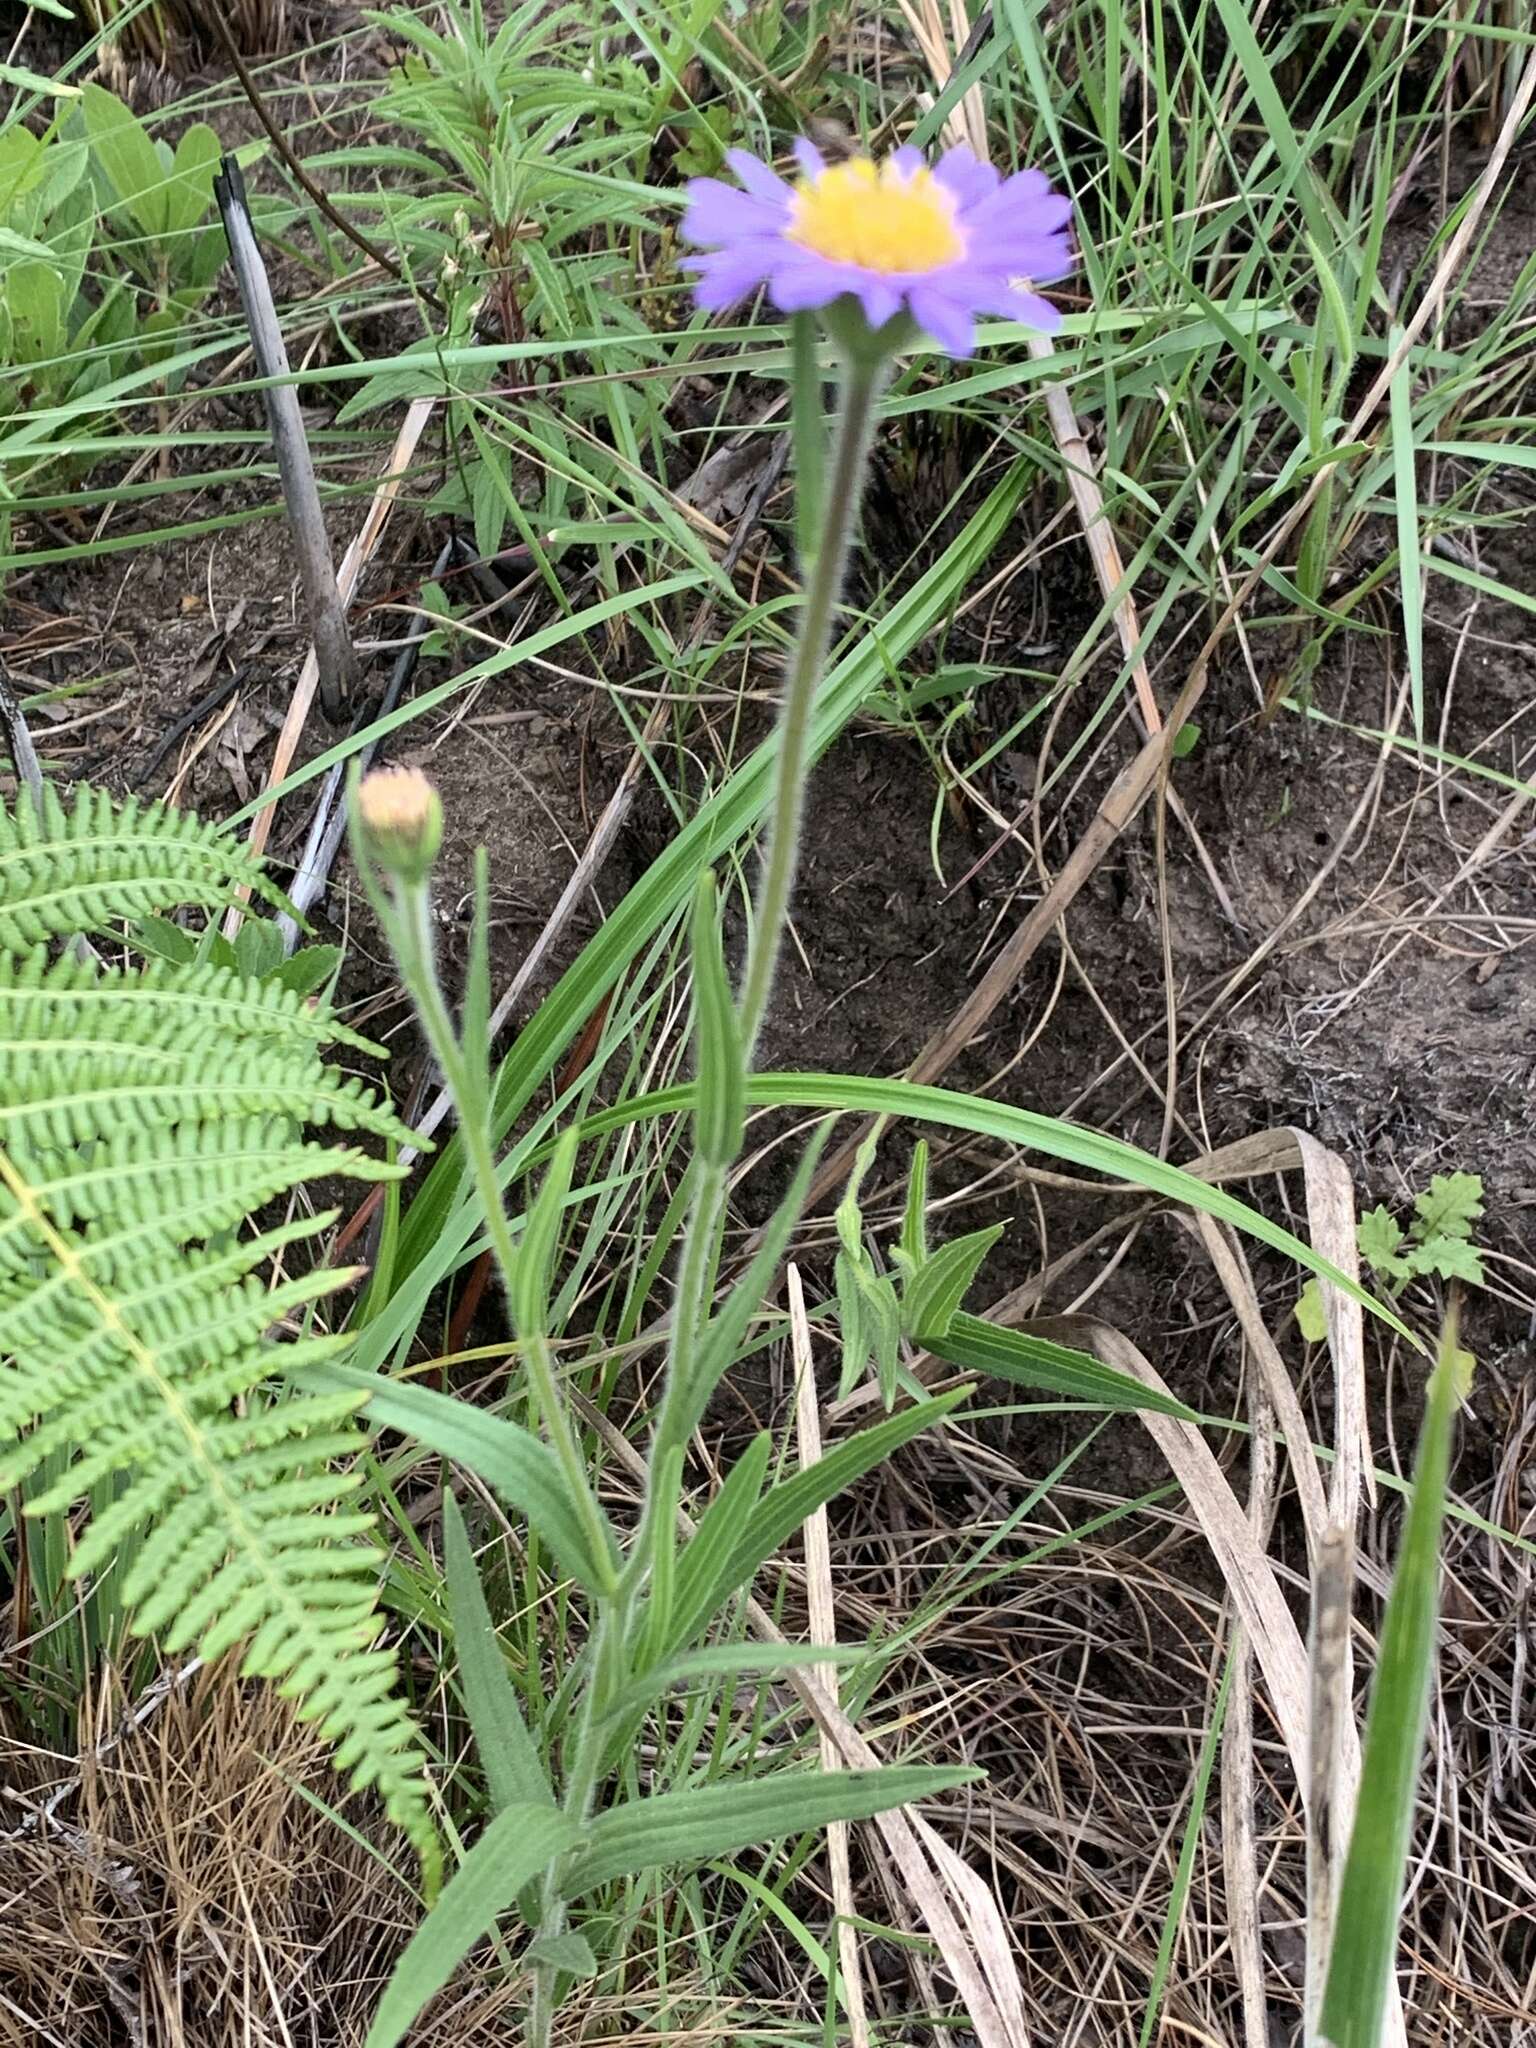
{"x":1437,"y":1242}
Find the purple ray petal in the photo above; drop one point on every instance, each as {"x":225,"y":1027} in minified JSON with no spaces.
{"x":719,"y":213}
{"x":945,"y":322}
{"x":1041,"y":214}
{"x":1041,"y":258}
{"x":722,"y":280}
{"x":961,"y":172}
{"x":1026,"y":306}
{"x":800,"y":286}
{"x":879,"y":296}
{"x":760,"y":179}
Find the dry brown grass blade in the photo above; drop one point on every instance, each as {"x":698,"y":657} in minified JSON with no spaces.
{"x":968,"y":121}
{"x":1250,"y":1579}
{"x":1246,"y":1571}
{"x":359,"y":554}
{"x":1330,"y":1199}
{"x":1239,"y":1852}
{"x":1329,"y":1802}
{"x":933,"y":1893}
{"x":823,"y":1617}
{"x":984,"y":1925}
{"x":1232,"y":1271}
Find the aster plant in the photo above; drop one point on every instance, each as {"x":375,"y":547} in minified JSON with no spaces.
{"x":879,"y":254}
{"x":870,"y":257}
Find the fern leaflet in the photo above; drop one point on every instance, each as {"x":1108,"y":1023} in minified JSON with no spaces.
{"x":145,"y":1116}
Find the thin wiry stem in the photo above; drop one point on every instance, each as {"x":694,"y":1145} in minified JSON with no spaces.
{"x":863,"y":379}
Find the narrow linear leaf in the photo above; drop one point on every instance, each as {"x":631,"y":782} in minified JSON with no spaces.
{"x":784,"y":1507}
{"x":979,"y":1346}
{"x":515,"y":1849}
{"x":1371,"y":1889}
{"x":867,"y":1095}
{"x":720,"y":1113}
{"x":942,"y":1282}
{"x":678,"y":1829}
{"x":517,"y":1465}
{"x":1405,"y":492}
{"x":512,"y":1767}
{"x":720,"y":1530}
{"x":540,"y":1241}
{"x":726,"y":1330}
{"x":722,"y":1662}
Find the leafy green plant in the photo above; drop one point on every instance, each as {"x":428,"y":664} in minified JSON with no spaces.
{"x":95,"y":185}
{"x":55,"y":341}
{"x":499,"y":193}
{"x":156,"y":202}
{"x":1436,"y":1244}
{"x":146,"y":1113}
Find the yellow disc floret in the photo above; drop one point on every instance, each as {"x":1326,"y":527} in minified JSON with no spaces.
{"x":876,"y":216}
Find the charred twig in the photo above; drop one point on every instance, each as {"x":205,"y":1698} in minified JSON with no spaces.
{"x":330,"y":819}
{"x":311,"y":190}
{"x":334,"y":654}
{"x":211,"y":701}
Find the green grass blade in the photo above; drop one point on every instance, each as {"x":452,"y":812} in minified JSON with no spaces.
{"x":514,"y":1463}
{"x":980,"y":1346}
{"x":709,"y":1573}
{"x":866,"y":1095}
{"x":511,"y":1764}
{"x":1193,"y":1827}
{"x":1371,"y":1890}
{"x":1405,"y":491}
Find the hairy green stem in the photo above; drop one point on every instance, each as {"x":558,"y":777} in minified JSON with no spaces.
{"x":469,"y":1091}
{"x":418,"y":970}
{"x":615,"y":1608}
{"x":863,"y":379}
{"x":609,"y":1671}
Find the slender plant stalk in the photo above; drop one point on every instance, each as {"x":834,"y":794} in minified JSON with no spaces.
{"x":466,"y":1079}
{"x":468,"y":1086}
{"x":419,"y":972}
{"x":863,"y":380}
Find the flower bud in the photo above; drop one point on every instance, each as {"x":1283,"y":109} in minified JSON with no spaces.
{"x":401,"y":816}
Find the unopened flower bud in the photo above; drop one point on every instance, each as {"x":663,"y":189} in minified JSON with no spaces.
{"x":401,"y":816}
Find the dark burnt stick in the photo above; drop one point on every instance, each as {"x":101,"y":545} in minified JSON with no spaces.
{"x":334,"y":655}
{"x":330,"y":820}
{"x":19,"y":741}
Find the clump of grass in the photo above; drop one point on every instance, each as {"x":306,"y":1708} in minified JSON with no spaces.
{"x":176,"y":35}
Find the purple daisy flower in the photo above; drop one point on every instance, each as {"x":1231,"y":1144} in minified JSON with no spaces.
{"x":940,"y":245}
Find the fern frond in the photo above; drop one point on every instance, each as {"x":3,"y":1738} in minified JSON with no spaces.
{"x":236,"y":1541}
{"x":145,"y":1116}
{"x":148,"y":1184}
{"x":81,"y":1094}
{"x":64,"y":871}
{"x":67,"y":997}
